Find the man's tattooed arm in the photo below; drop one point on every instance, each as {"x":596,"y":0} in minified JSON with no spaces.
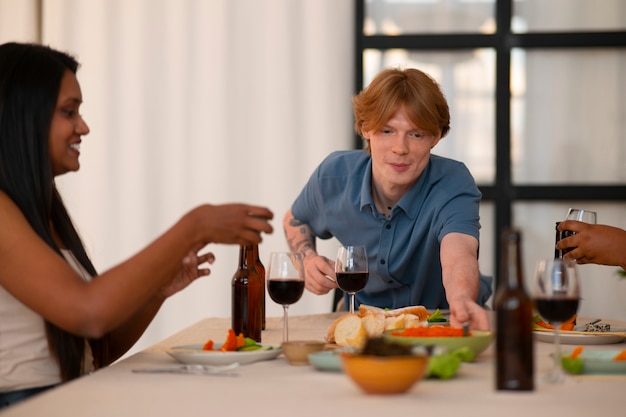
{"x":300,"y":237}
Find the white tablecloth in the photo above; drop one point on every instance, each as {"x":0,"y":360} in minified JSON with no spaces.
{"x":275,"y":388}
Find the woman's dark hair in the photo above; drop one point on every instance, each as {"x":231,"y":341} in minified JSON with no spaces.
{"x":30,"y":79}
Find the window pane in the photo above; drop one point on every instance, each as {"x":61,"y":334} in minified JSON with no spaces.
{"x":602,"y":290}
{"x":400,"y":17}
{"x":567,"y":119}
{"x":467,"y":79}
{"x":486,"y":258}
{"x":568,"y":15}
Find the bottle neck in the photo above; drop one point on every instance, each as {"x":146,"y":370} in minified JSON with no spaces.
{"x":245,"y":256}
{"x":513,"y":273}
{"x":251,"y":256}
{"x":255,"y":252}
{"x":512,"y":263}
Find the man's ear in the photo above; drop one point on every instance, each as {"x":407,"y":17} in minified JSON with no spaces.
{"x":435,"y":141}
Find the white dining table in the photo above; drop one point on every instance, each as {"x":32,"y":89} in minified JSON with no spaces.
{"x":276,"y":388}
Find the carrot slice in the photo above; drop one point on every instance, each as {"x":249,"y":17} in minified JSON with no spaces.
{"x":576,"y":352}
{"x":569,"y":324}
{"x":620,"y":356}
{"x":208,"y":345}
{"x":566,"y":325}
{"x":544,"y":324}
{"x":241,"y":340}
{"x":230,"y":344}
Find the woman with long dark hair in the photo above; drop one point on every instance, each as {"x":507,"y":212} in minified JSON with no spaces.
{"x":59,"y":318}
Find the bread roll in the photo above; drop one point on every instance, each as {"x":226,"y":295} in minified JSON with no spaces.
{"x":374,"y":324}
{"x":365,"y":310}
{"x":419,"y":311}
{"x":411,"y":320}
{"x":394,"y":322}
{"x":350,"y":331}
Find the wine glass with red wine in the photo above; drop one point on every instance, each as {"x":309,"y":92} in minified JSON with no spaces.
{"x":285,"y":282}
{"x":556,"y":293}
{"x":351,"y":270}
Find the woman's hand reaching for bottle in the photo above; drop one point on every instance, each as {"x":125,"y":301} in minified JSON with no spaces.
{"x":191,"y":268}
{"x":232,"y":223}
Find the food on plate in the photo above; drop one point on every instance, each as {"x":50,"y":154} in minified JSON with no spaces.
{"x":620,"y":356}
{"x":540,"y":324}
{"x":377,"y":346}
{"x":234,"y":343}
{"x":437,"y":317}
{"x":572,"y":365}
{"x":350,"y":331}
{"x":374,"y":325}
{"x":208,"y":345}
{"x":443,"y":366}
{"x":354,"y":329}
{"x":575,"y":364}
{"x":419,"y":311}
{"x":597,"y":327}
{"x":576,"y":352}
{"x":431,"y":331}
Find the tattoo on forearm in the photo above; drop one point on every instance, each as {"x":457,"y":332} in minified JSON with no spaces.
{"x":300,"y":237}
{"x":295,"y":222}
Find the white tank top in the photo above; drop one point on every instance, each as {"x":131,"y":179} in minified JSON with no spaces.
{"x":25,"y":361}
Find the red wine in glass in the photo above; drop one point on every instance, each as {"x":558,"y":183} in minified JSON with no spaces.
{"x":556,"y":310}
{"x":285,"y":291}
{"x":285,"y":282}
{"x":351,"y":281}
{"x":556,"y":294}
{"x":351,"y":270}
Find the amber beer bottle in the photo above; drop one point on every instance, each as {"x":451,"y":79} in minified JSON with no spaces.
{"x":514,"y":309}
{"x":247,"y":290}
{"x":260,"y":270}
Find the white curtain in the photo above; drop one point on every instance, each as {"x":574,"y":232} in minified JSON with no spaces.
{"x":193,"y":101}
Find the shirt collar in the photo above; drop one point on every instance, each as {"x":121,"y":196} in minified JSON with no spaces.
{"x":409,"y":203}
{"x":366,"y":188}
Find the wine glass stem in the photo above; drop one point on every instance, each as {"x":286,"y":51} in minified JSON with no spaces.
{"x":351,"y":303}
{"x":557,"y":352}
{"x":285,"y":324}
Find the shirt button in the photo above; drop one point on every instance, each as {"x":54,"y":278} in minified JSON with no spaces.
{"x":388,"y":226}
{"x":382,"y":261}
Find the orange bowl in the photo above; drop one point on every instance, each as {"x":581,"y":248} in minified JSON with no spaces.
{"x":384,"y":374}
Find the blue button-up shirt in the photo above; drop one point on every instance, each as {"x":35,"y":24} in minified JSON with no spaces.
{"x":404,"y":249}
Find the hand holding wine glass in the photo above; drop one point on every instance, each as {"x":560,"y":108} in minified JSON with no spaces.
{"x":556,"y":293}
{"x":285,"y":282}
{"x":351,"y":270}
{"x":581,"y":215}
{"x":586,"y":216}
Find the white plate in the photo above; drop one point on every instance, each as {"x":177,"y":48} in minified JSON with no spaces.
{"x":580,"y":338}
{"x":601,"y":362}
{"x":193,"y":354}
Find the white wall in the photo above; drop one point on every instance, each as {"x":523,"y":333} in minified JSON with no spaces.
{"x":198,"y":101}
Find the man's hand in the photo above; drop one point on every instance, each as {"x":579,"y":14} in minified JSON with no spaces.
{"x":320,"y":274}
